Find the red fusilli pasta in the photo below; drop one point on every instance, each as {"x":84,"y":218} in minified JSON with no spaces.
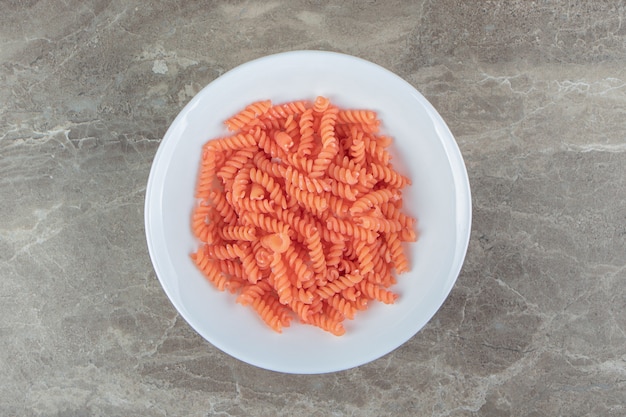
{"x":299,"y":213}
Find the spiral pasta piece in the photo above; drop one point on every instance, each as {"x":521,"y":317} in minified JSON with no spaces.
{"x":408,"y":235}
{"x":250,"y":266}
{"x":330,"y":146}
{"x":223,"y":207}
{"x":234,"y":163}
{"x":366,"y":117}
{"x":344,"y":191}
{"x":375,"y":292}
{"x":335,"y":252}
{"x":365,"y":257}
{"x":343,"y":305}
{"x":265,"y":164}
{"x":320,"y":105}
{"x":343,"y":174}
{"x":337,"y":205}
{"x":347,"y":227}
{"x":233,"y":268}
{"x":292,"y":128}
{"x":333,"y":326}
{"x":302,"y":227}
{"x":375,"y":153}
{"x":390,"y":211}
{"x":347,"y":266}
{"x":350,"y":294}
{"x":266,"y":223}
{"x":281,"y":280}
{"x":282,"y":111}
{"x":268,"y":313}
{"x":332,"y":313}
{"x":251,"y":113}
{"x":199,"y":223}
{"x":303,"y":182}
{"x":267,"y":182}
{"x":316,"y":252}
{"x":263,"y":257}
{"x":283,"y":140}
{"x":241,"y":233}
{"x":338,"y":285}
{"x":247,"y":205}
{"x":357,"y":148}
{"x":377,"y":197}
{"x":209,"y":269}
{"x":249,"y":293}
{"x":240,"y":183}
{"x":307,"y":200}
{"x":233,"y":143}
{"x":283,"y":312}
{"x":208,"y":169}
{"x":379,"y":224}
{"x":225,"y":251}
{"x":270,"y":146}
{"x":270,"y":124}
{"x":306,"y":133}
{"x":300,"y":268}
{"x":398,"y":258}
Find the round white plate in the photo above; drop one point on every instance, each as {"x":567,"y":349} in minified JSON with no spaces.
{"x":424,"y":150}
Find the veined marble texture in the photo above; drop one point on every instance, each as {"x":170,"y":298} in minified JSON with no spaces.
{"x":535,"y":94}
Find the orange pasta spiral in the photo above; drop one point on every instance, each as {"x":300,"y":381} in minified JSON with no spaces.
{"x":242,"y":233}
{"x":346,"y":227}
{"x":235,"y":163}
{"x":267,"y":182}
{"x":375,"y":152}
{"x":282,"y":111}
{"x":388,"y":175}
{"x":232,"y":143}
{"x":357,"y":148}
{"x":330,"y":147}
{"x":398,"y":258}
{"x":225,"y":251}
{"x":366,"y":117}
{"x":281,"y":280}
{"x":343,"y":305}
{"x":379,"y":224}
{"x":299,"y":213}
{"x":340,"y":284}
{"x":265,"y":164}
{"x":329,"y":324}
{"x":306,"y":133}
{"x":303,"y":182}
{"x":343,"y":174}
{"x":268,"y":311}
{"x":248,"y":115}
{"x":321,"y":104}
{"x":247,"y":205}
{"x":374,"y":198}
{"x":266,"y":223}
{"x":222,"y":206}
{"x":208,"y":167}
{"x":210,"y":269}
{"x":376,"y":292}
{"x":307,"y":200}
{"x":300,"y":268}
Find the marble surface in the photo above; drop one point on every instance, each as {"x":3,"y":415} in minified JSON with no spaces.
{"x":535,"y":93}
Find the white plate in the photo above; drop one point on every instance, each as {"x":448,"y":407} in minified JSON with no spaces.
{"x":439,"y":197}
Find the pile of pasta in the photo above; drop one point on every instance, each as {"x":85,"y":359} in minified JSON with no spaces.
{"x":299,"y":213}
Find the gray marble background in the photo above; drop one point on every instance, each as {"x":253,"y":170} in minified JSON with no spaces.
{"x":535,"y":93}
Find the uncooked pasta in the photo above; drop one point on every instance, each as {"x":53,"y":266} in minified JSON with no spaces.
{"x":299,"y":213}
